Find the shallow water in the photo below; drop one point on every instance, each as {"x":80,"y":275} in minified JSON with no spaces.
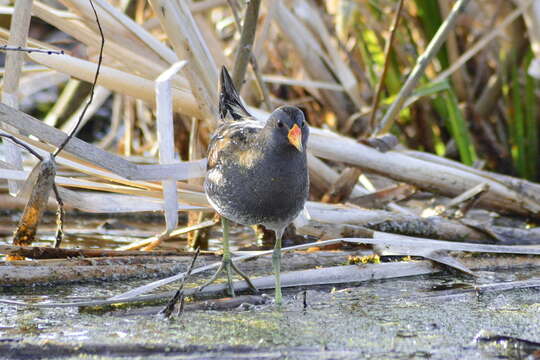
{"x":415,"y":317}
{"x":399,"y":319}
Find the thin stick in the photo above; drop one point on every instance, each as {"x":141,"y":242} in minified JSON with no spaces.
{"x":100,"y":59}
{"x":153,"y":285}
{"x":24,"y":145}
{"x":179,"y":295}
{"x":174,"y":233}
{"x":421,"y":64}
{"x":243,"y":53}
{"x":60,"y":215}
{"x":31,"y":50}
{"x":259,"y":80}
{"x":252,"y":59}
{"x":236,"y":16}
{"x":387,"y":50}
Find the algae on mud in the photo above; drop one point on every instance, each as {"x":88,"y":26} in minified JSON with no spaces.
{"x":401,"y":318}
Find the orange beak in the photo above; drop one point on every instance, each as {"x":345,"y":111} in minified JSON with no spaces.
{"x":295,"y":137}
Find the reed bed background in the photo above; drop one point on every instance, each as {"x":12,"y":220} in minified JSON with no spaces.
{"x":475,"y":102}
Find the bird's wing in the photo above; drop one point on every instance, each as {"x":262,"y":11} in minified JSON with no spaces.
{"x":233,"y":141}
{"x":230,"y":105}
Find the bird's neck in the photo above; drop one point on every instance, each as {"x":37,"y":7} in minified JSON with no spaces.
{"x":278,"y":148}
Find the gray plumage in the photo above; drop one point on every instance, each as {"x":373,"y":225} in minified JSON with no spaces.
{"x":255,"y":175}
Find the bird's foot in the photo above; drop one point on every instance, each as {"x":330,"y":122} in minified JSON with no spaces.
{"x":228,"y":266}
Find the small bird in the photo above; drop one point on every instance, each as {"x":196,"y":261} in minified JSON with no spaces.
{"x":257,"y":174}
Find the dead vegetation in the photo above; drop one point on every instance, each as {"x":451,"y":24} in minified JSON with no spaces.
{"x":158,"y":81}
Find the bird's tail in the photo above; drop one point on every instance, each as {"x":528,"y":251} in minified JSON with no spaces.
{"x":229,"y":101}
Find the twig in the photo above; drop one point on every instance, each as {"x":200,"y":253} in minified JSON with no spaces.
{"x":179,"y":295}
{"x":503,"y":346}
{"x":236,"y":16}
{"x":421,"y":64}
{"x":243,"y":53}
{"x":100,"y":59}
{"x":340,"y":273}
{"x":261,"y":84}
{"x":60,"y":215}
{"x":501,"y":286}
{"x":20,"y":143}
{"x":223,"y":304}
{"x":142,"y":243}
{"x":61,"y":212}
{"x":387,"y":50}
{"x":467,"y":199}
{"x":412,"y":242}
{"x":249,"y":50}
{"x":31,"y":50}
{"x":149,"y":287}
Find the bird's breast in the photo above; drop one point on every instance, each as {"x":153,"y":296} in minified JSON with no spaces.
{"x":258,"y":190}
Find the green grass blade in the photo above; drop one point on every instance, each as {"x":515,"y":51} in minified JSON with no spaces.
{"x":517,"y":121}
{"x":532,"y":148}
{"x":430,"y":17}
{"x":458,"y":129}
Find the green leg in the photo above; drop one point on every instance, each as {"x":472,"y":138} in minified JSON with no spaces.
{"x":227,"y":264}
{"x":227,"y":254}
{"x":276,"y":263}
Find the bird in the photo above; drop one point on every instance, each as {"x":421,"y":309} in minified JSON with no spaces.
{"x":256,"y":173}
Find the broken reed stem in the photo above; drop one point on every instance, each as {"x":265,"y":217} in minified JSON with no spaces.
{"x":421,"y":64}
{"x":250,"y":20}
{"x":243,"y":53}
{"x":18,"y":36}
{"x":100,"y":59}
{"x":31,"y":50}
{"x":60,"y":212}
{"x":387,"y":50}
{"x":41,"y":179}
{"x":179,"y":295}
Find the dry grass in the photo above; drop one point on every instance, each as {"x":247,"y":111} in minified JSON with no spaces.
{"x":472,"y":101}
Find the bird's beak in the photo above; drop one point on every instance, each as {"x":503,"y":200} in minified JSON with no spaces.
{"x":295,"y":137}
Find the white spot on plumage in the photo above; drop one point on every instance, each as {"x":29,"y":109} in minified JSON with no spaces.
{"x":215,"y":177}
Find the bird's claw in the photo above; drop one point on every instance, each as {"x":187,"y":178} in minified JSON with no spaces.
{"x":229,"y":266}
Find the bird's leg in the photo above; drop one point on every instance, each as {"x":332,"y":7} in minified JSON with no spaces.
{"x":276,"y":263}
{"x":227,"y":264}
{"x":227,"y":254}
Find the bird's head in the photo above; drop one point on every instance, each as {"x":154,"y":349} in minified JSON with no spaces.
{"x":289,"y":128}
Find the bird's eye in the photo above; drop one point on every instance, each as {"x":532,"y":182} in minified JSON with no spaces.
{"x":280,"y":124}
{"x":303,"y":123}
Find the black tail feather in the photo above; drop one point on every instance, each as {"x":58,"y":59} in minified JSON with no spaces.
{"x":229,"y":101}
